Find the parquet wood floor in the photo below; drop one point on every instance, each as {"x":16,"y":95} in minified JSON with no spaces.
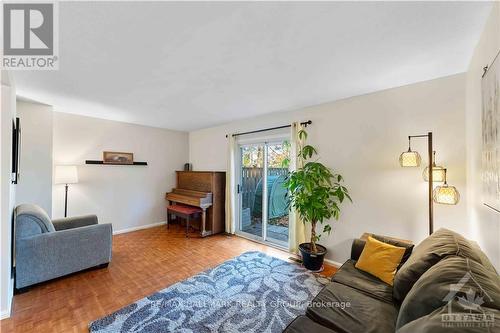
{"x":143,"y":262}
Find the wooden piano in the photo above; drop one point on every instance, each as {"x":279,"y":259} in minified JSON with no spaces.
{"x":204,"y":189}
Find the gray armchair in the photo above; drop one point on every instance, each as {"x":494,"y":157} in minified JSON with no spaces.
{"x":46,"y":249}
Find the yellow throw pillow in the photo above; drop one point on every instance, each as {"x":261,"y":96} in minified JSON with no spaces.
{"x":380,"y":259}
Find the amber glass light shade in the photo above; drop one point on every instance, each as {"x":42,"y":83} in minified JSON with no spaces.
{"x":410,"y":159}
{"x":446,"y":195}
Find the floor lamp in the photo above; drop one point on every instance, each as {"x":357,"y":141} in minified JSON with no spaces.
{"x":66,"y":174}
{"x":444,"y":194}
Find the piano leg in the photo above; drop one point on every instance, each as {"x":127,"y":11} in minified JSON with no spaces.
{"x":204,"y":232}
{"x":168,"y":215}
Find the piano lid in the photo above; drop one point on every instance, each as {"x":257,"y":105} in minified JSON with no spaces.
{"x":190,"y":197}
{"x":198,"y":194}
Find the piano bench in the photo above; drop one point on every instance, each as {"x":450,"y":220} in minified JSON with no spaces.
{"x":185,"y":212}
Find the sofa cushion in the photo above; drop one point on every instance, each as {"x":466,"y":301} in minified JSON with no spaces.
{"x":31,"y":220}
{"x":349,"y":275}
{"x":439,"y":245}
{"x":74,"y":222}
{"x":408,"y":246}
{"x":345,"y":309}
{"x":380,"y":259}
{"x":453,"y":278}
{"x":453,"y":318}
{"x":303,"y":324}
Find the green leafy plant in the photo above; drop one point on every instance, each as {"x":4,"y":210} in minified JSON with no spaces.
{"x":314,"y":191}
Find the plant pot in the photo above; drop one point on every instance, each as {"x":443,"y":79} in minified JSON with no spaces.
{"x":312,"y":261}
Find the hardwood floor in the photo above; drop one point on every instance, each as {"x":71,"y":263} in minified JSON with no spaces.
{"x":143,"y":262}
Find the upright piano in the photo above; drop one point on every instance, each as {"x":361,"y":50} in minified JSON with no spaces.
{"x":206,"y":190}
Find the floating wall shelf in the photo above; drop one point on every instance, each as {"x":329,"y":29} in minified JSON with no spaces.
{"x":101,"y":162}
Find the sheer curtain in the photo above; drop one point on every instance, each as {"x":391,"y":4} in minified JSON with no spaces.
{"x":297,"y":229}
{"x":231,"y":185}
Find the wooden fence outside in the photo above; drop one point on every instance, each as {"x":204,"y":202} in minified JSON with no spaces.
{"x":250,"y":178}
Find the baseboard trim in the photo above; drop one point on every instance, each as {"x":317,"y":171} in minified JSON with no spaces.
{"x":334,"y":263}
{"x":152,"y":225}
{"x":4,"y":314}
{"x":141,"y":227}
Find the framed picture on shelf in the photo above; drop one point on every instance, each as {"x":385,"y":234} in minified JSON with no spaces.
{"x":113,"y":157}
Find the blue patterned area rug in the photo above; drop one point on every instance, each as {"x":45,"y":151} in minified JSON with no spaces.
{"x":250,"y":293}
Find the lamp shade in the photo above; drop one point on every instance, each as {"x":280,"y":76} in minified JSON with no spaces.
{"x":410,"y":159}
{"x":437,"y":174}
{"x":66,"y":174}
{"x":447,"y":195}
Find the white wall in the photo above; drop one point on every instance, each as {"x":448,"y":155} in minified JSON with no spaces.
{"x":7,"y":191}
{"x":484,"y":222}
{"x":127,"y":196}
{"x":362,"y":138}
{"x":35,"y":181}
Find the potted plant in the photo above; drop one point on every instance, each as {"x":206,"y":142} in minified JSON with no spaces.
{"x":316,"y":193}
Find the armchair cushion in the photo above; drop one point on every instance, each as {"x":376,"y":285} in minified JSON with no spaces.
{"x":74,"y":222}
{"x":31,"y":220}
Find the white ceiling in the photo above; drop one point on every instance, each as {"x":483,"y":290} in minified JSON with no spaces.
{"x":192,"y":65}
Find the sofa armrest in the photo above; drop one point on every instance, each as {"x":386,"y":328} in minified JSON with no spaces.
{"x":74,"y":222}
{"x":357,"y":247}
{"x":49,"y":255}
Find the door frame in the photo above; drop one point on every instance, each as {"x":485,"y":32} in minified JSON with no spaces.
{"x":257,"y":141}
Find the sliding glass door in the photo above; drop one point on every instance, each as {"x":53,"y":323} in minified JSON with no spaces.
{"x":277,"y":212}
{"x":263,"y":213}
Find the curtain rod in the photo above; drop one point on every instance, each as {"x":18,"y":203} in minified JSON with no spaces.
{"x":305,"y":123}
